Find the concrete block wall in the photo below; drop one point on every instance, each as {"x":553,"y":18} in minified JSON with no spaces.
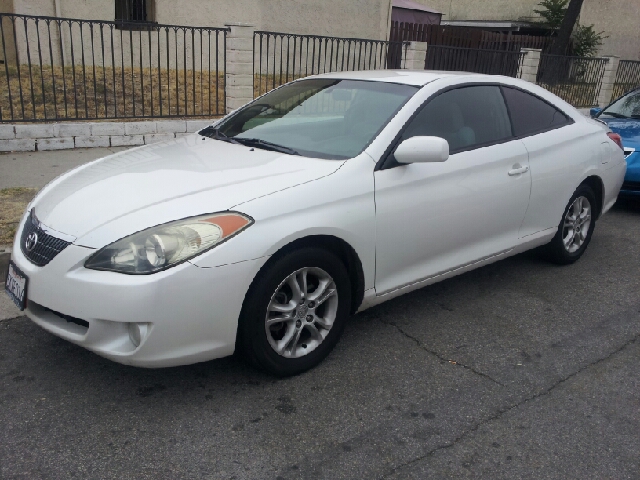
{"x":529,"y":68}
{"x":415,"y":56}
{"x":59,"y":136}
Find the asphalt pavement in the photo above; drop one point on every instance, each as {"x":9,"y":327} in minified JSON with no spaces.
{"x":520,"y":369}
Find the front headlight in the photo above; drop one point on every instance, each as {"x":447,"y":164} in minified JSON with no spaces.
{"x":161,"y":247}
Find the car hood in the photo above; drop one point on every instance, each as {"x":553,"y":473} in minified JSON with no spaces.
{"x":121,"y":194}
{"x":627,"y":128}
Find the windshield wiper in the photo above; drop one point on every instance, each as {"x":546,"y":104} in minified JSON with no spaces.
{"x":256,"y":142}
{"x":216,"y":134}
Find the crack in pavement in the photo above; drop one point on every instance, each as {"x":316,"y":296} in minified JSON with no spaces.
{"x":12,"y":318}
{"x":501,"y":412}
{"x":437,"y":355}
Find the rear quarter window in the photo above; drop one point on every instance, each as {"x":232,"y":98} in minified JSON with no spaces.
{"x":530,"y":114}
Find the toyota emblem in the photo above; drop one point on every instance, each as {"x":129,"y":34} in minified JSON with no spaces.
{"x":31,"y":241}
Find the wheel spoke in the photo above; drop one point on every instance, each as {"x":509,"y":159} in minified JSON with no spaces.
{"x":320,"y":290}
{"x":294,"y":340}
{"x":292,"y":281}
{"x":274,"y":320}
{"x":282,"y":344}
{"x":329,"y":292}
{"x":279,"y":307}
{"x":324,"y":322}
{"x":303,"y":283}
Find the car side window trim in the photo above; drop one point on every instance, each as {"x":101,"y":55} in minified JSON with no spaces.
{"x":387,"y":161}
{"x":569,"y":120}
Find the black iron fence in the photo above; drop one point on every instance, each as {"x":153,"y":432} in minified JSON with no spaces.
{"x":576,"y":80}
{"x":282,"y":57}
{"x":493,"y":62}
{"x":627,"y":78}
{"x":69,"y":69}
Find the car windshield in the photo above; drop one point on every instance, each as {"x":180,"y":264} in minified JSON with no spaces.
{"x":626,"y":107}
{"x":323,"y":118}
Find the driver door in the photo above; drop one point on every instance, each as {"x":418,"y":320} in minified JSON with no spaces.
{"x":432,"y":218}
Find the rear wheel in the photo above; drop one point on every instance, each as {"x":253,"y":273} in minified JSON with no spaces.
{"x":575,"y":229}
{"x":295,"y":312}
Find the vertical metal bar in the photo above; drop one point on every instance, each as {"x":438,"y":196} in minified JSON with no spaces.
{"x":44,"y":99}
{"x":64,"y":76}
{"x":133,"y":86}
{"x":313,"y":55}
{"x":193,"y":68}
{"x":218,"y":73}
{"x":93,"y":63}
{"x":293,"y":71}
{"x":209,"y":70}
{"x":150,"y":69}
{"x":104,"y":71}
{"x":124,"y":88}
{"x":184,"y":64}
{"x":6,"y":66}
{"x":175,"y":34}
{"x":224,"y":73}
{"x":281,"y":47}
{"x":141,"y":73}
{"x":168,"y":72}
{"x":275,"y":54}
{"x":73,"y":70}
{"x":288,"y":48}
{"x":159,"y":77}
{"x":113,"y":72}
{"x":53,"y":74}
{"x":33,"y":99}
{"x":259,"y":69}
{"x":84,"y":74}
{"x":201,"y":74}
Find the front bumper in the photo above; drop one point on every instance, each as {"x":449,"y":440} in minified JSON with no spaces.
{"x":191,"y":313}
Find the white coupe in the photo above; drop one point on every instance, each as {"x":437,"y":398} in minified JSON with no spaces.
{"x":265,"y":231}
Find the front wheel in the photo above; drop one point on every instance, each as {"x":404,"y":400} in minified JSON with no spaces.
{"x":575,"y":229}
{"x":295,"y":312}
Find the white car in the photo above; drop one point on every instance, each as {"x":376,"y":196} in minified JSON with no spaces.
{"x":324,"y":197}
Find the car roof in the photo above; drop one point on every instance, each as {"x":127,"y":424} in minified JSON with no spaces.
{"x":407,"y":77}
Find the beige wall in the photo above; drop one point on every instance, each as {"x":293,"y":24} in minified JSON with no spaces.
{"x":617,"y":18}
{"x":350,"y":18}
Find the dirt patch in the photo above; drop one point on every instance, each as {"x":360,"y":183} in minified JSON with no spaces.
{"x":13,"y":201}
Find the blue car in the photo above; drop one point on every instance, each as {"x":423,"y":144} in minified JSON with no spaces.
{"x":623,"y":117}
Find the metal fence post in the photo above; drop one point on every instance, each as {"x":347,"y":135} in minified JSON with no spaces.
{"x":608,"y":80}
{"x":239,"y":65}
{"x":415,"y":56}
{"x":529,"y":67}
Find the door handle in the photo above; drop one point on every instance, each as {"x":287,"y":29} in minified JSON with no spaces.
{"x":518,"y":170}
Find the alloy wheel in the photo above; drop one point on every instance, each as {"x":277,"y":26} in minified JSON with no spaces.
{"x":301,"y":312}
{"x":576,"y":224}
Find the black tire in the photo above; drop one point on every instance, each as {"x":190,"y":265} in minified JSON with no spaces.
{"x":252,"y":342}
{"x":556,"y":250}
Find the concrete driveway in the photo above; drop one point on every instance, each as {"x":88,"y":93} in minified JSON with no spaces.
{"x":521,"y":369}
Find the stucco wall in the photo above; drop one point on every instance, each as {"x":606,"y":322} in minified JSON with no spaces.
{"x":617,"y":18}
{"x":350,"y":18}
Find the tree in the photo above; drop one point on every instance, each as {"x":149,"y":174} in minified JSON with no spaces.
{"x":552,"y":13}
{"x":586,"y":41}
{"x":561,"y":42}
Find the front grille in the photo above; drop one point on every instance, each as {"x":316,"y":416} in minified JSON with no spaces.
{"x":631,"y":186}
{"x":46,"y":246}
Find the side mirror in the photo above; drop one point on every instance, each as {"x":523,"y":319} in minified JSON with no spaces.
{"x":594,"y":111}
{"x":422,"y":150}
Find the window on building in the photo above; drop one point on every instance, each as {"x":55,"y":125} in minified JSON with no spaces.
{"x":135,"y":11}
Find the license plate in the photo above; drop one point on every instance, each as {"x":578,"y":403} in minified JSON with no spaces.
{"x":16,"y":286}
